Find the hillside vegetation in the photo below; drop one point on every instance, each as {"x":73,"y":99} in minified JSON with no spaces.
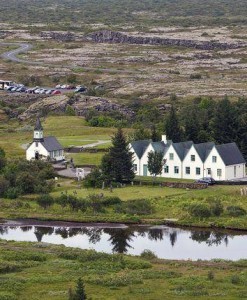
{"x":155,"y":12}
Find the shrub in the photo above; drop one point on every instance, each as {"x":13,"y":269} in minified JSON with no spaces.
{"x":216,"y":208}
{"x":210,"y":275}
{"x":96,"y":203}
{"x":45,"y":201}
{"x":235,"y":279}
{"x":4,"y":185}
{"x":235,"y":211}
{"x":148,"y":254}
{"x":139,"y":206}
{"x":93,"y":179}
{"x":111,"y":200}
{"x":195,"y":76}
{"x":199,"y":210}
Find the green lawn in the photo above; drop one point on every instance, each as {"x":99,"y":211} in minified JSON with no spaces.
{"x":68,"y":130}
{"x":42,"y":271}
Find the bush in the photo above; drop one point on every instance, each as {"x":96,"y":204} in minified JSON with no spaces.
{"x":199,"y":210}
{"x":139,"y":207}
{"x":111,"y":200}
{"x":93,"y":179}
{"x":45,"y":201}
{"x":235,"y":211}
{"x":12,"y":193}
{"x":210,"y":275}
{"x":216,"y":208}
{"x":195,"y":76}
{"x":148,"y":254}
{"x":96,"y":203}
{"x":235,"y":279}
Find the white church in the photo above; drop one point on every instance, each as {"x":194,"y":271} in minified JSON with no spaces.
{"x":44,"y":148}
{"x":187,"y":160}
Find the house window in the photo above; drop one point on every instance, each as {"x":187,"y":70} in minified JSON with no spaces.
{"x":135,"y":168}
{"x":187,"y":170}
{"x":166,"y":169}
{"x":37,"y":144}
{"x":235,"y":171}
{"x":209,"y":171}
{"x":198,"y":171}
{"x":171,"y":156}
{"x":219,"y":172}
{"x":214,"y":159}
{"x":176,"y":169}
{"x":193,"y":157}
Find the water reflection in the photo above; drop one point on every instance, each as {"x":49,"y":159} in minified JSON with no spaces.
{"x":132,"y":239}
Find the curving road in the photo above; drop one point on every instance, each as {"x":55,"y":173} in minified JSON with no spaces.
{"x":25,"y":47}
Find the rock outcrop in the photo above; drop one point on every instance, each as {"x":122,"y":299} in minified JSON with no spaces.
{"x":108,"y":36}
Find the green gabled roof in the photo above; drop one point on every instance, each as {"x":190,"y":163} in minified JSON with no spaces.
{"x":140,"y":146}
{"x":204,"y":149}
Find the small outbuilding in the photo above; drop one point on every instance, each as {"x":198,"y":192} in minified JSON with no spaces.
{"x":44,"y":148}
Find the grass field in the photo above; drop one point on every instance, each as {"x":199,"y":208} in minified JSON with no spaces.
{"x":42,"y":271}
{"x":70,"y":131}
{"x":167,"y":203}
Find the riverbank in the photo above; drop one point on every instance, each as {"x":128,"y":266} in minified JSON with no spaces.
{"x":42,"y":271}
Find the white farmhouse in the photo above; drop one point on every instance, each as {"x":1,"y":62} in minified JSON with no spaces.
{"x":45,"y":148}
{"x":187,"y":160}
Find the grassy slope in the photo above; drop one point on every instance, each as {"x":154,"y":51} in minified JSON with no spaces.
{"x":41,"y":271}
{"x":168,"y":203}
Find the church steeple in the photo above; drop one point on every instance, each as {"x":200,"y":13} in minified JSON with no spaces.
{"x":38,"y":131}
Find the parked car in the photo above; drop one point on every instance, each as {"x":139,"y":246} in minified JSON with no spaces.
{"x":10,"y":88}
{"x":13,"y":90}
{"x":21,"y":89}
{"x":207,"y":180}
{"x":48,"y":92}
{"x":81,"y":89}
{"x":58,"y":86}
{"x":56,"y":92}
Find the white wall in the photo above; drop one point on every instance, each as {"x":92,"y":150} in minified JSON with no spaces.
{"x":172,"y":163}
{"x":231,"y":174}
{"x":193,"y":165}
{"x":135,"y":160}
{"x":30,"y":153}
{"x":214,"y":166}
{"x":144,"y":159}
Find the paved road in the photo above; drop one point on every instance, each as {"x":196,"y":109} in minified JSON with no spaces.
{"x":25,"y":47}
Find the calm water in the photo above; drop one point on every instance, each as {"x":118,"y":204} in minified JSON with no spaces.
{"x":165,"y":242}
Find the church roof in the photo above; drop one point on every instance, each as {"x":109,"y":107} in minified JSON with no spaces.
{"x":50,"y":143}
{"x":38,"y":125}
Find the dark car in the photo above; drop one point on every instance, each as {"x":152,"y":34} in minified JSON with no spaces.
{"x":81,"y":89}
{"x":207,"y":180}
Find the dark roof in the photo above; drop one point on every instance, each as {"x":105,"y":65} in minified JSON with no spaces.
{"x":182,"y":148}
{"x":204,"y":149}
{"x":159,"y":146}
{"x":230,"y":154}
{"x":38,"y":125}
{"x":51,"y":143}
{"x":140,"y":147}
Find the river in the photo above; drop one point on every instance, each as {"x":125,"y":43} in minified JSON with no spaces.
{"x":166,"y":242}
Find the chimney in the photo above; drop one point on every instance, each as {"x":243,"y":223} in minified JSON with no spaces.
{"x":163,"y":138}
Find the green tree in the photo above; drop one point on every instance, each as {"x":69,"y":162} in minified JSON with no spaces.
{"x":117,"y":164}
{"x":172,"y":127}
{"x":155,"y":163}
{"x":192,"y":124}
{"x":45,"y":201}
{"x":155,"y":137}
{"x":80,"y":293}
{"x":224,"y":122}
{"x":2,"y":159}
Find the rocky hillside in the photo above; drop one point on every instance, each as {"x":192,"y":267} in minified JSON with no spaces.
{"x":108,"y":36}
{"x":80,"y":104}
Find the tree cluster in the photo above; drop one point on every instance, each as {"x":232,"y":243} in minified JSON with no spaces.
{"x":24,"y":177}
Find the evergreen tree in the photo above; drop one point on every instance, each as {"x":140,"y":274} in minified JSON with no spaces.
{"x":154,"y":134}
{"x":2,"y":159}
{"x":224,"y":122}
{"x":172,"y":127}
{"x":80,"y":293}
{"x":155,"y":163}
{"x":241,"y":113}
{"x":117,"y":164}
{"x":192,"y":124}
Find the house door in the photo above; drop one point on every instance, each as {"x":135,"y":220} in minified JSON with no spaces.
{"x":36,"y":155}
{"x":145,"y":170}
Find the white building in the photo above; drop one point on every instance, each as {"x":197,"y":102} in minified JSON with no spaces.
{"x":45,"y":148}
{"x":191,"y":161}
